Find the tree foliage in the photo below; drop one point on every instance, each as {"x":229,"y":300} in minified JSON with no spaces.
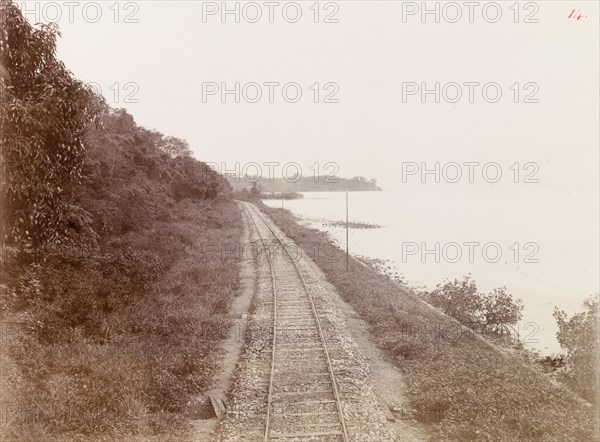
{"x":194,"y":179}
{"x":255,"y":191}
{"x":458,"y":299}
{"x":578,"y":336}
{"x":500,"y":310}
{"x":175,"y":147}
{"x":44,"y":114}
{"x":303,"y":183}
{"x":493,"y":312}
{"x":123,"y":154}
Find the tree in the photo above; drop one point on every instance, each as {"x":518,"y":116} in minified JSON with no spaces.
{"x":458,"y":299}
{"x":44,"y":112}
{"x":175,"y":147}
{"x":195,"y":179}
{"x":501,"y":311}
{"x":493,"y":312}
{"x":255,"y":191}
{"x":578,"y":336}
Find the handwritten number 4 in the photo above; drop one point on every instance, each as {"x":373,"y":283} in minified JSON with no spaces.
{"x":576,"y":15}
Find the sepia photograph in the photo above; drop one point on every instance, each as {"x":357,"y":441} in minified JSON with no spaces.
{"x":299,"y":221}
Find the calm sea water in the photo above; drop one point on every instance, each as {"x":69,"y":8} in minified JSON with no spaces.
{"x":544,"y":249}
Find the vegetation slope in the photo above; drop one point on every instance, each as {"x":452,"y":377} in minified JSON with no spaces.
{"x":110,"y":319}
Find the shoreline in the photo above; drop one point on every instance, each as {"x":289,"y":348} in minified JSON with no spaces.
{"x":457,"y":377}
{"x":532,"y":283}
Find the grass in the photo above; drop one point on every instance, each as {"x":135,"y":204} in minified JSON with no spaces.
{"x":476,"y":391}
{"x":114,"y":344}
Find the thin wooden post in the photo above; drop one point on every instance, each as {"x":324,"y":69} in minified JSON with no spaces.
{"x":347,"y":253}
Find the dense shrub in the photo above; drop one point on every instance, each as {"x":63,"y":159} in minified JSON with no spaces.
{"x":44,"y":112}
{"x":493,"y":312}
{"x":578,"y":336}
{"x":458,"y":299}
{"x":500,"y":311}
{"x":119,"y":339}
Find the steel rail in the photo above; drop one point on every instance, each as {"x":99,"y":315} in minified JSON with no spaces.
{"x":316,"y":316}
{"x":270,"y":397}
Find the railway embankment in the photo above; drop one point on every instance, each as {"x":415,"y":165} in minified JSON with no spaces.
{"x":300,"y":376}
{"x":457,"y":386}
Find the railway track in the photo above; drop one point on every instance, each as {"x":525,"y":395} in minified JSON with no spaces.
{"x":303,"y":400}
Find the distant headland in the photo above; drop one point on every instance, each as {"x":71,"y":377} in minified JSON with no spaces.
{"x":303,"y":184}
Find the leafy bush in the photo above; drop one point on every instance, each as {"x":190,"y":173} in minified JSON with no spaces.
{"x":120,"y":338}
{"x":458,"y":299}
{"x":499,"y":311}
{"x":44,"y":112}
{"x":493,"y":312}
{"x":578,"y":336}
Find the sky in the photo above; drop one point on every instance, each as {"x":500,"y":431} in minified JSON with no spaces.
{"x":162,"y":54}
